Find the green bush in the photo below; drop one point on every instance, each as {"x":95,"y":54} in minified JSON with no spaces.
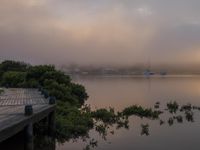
{"x":1,"y":91}
{"x":79,"y":92}
{"x":107,"y":116}
{"x":32,"y":83}
{"x":10,"y":65}
{"x":70,"y":120}
{"x":13,"y":79}
{"x":141,"y":112}
{"x":172,"y":107}
{"x":37,"y":72}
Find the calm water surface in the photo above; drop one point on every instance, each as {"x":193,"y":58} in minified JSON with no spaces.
{"x":120,"y":92}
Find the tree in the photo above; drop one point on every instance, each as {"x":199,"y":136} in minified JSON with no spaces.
{"x":36,"y":72}
{"x":13,"y":79}
{"x":10,"y":65}
{"x":57,"y":76}
{"x":80,"y":92}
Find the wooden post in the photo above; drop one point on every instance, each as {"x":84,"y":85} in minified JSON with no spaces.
{"x":29,"y":137}
{"x":51,"y":124}
{"x":52,"y":100}
{"x":51,"y":117}
{"x":28,"y":110}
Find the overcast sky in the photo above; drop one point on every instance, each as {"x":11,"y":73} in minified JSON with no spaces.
{"x":121,"y":32}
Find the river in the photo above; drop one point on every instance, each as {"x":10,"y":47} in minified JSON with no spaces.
{"x":120,"y":92}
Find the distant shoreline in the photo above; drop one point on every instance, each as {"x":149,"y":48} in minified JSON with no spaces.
{"x":140,"y":76}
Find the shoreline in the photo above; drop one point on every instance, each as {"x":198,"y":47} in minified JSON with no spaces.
{"x":139,"y":76}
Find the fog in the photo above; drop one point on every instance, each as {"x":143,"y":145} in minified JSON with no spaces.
{"x":101,"y":32}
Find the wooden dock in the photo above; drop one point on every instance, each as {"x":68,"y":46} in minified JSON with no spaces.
{"x":12,"y":113}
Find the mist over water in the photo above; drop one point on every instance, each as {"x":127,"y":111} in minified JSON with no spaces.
{"x":106,"y":32}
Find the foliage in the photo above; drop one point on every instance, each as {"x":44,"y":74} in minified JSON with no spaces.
{"x":141,"y":112}
{"x":57,"y":76}
{"x":179,"y":119}
{"x":79,"y":92}
{"x":37,"y":72}
{"x":19,"y":74}
{"x":13,"y":79}
{"x":189,"y":116}
{"x":32,"y":83}
{"x":105,"y":115}
{"x":172,"y":107}
{"x":187,"y":107}
{"x":1,"y":91}
{"x":70,"y":120}
{"x":145,"y":129}
{"x":171,"y":121}
{"x":10,"y":65}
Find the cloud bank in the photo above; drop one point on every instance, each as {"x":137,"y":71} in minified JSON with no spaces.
{"x":102,"y":32}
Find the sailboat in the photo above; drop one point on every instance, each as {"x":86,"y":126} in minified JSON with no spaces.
{"x":148,"y":72}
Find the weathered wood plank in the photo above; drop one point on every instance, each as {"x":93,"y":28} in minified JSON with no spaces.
{"x":21,"y":97}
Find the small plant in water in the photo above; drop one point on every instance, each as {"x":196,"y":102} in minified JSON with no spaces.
{"x":179,"y":119}
{"x":157,"y":105}
{"x":187,"y":107}
{"x":141,"y":112}
{"x":102,"y":129}
{"x":123,"y":124}
{"x":145,"y":129}
{"x":161,"y":122}
{"x":171,"y":121}
{"x":172,"y":107}
{"x":189,"y":116}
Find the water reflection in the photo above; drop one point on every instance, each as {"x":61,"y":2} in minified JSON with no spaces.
{"x":40,"y":143}
{"x":145,"y":129}
{"x":176,"y":128}
{"x":109,"y":126}
{"x":44,"y":142}
{"x":120,"y":92}
{"x":120,"y":120}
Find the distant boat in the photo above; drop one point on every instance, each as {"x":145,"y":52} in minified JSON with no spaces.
{"x":163,"y":73}
{"x":148,"y":73}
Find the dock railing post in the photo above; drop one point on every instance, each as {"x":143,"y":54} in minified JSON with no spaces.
{"x":28,"y":110}
{"x":51,"y":121}
{"x":28,"y":145}
{"x":29,"y":137}
{"x":51,"y":124}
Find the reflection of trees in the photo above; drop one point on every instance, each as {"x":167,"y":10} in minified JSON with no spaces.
{"x":107,"y":121}
{"x":187,"y":112}
{"x":43,"y":142}
{"x":145,"y":129}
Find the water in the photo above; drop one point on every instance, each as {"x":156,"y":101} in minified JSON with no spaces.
{"x":120,"y":92}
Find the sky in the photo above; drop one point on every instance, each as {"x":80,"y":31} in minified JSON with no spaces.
{"x":100,"y":32}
